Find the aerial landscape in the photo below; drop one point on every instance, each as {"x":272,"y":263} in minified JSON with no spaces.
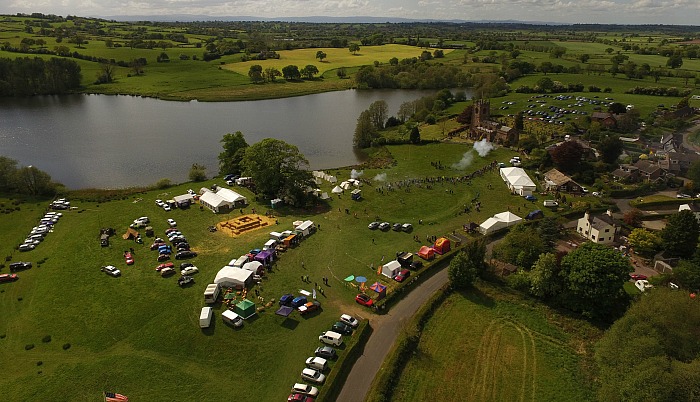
{"x":350,"y":201}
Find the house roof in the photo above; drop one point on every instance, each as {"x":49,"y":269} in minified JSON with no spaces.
{"x":557,"y":177}
{"x":689,"y":207}
{"x":646,"y":166}
{"x":602,"y":221}
{"x":624,"y":174}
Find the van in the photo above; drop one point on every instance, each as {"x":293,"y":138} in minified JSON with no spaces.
{"x":331,"y":338}
{"x":211,"y":293}
{"x":239,"y":262}
{"x":205,"y":317}
{"x":270,"y":244}
{"x":550,"y":203}
{"x":232,"y":318}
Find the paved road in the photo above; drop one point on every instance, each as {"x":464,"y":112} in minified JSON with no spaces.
{"x":386,"y":328}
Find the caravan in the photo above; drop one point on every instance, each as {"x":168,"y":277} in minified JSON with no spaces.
{"x":211,"y":293}
{"x":205,"y":317}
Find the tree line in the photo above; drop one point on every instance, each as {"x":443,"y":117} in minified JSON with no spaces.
{"x":27,"y":76}
{"x":15,"y":179}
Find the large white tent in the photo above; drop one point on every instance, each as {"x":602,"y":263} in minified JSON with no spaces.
{"x":337,"y":190}
{"x":233,"y":277}
{"x":499,"y":221}
{"x":518,"y":181}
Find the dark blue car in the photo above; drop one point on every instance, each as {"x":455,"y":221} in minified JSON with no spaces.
{"x":286,"y":300}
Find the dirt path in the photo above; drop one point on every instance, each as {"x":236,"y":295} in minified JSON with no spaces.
{"x":386,"y":329}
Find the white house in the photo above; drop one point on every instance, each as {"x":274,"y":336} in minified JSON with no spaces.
{"x":518,"y":181}
{"x":599,"y":229}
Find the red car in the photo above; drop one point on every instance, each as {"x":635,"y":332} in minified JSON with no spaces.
{"x":155,"y":246}
{"x":637,"y":277}
{"x":364,"y":300}
{"x":166,"y":265}
{"x":402,"y":275}
{"x":128,"y":258}
{"x":299,"y":398}
{"x":8,"y":277}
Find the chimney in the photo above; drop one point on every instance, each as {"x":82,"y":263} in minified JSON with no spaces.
{"x":609,"y":212}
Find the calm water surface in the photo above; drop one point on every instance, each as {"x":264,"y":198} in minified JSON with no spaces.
{"x":120,"y":141}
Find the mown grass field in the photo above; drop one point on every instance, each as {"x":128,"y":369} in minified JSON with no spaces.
{"x":336,"y":58}
{"x":139,"y":335}
{"x":484,"y":345}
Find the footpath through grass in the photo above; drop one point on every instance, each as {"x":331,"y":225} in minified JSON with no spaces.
{"x":485,"y":345}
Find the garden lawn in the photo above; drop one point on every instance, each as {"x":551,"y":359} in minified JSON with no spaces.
{"x":482,"y":346}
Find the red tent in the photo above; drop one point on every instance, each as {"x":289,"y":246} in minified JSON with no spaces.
{"x":442,"y":245}
{"x":426,"y":253}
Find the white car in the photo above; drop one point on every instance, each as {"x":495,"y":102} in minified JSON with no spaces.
{"x":143,"y":219}
{"x":317,"y":363}
{"x":350,"y":320}
{"x":550,"y":203}
{"x":313,"y":376}
{"x":159,"y":203}
{"x":189,"y":270}
{"x":166,"y":207}
{"x":111,"y":270}
{"x":300,"y":388}
{"x":172,"y":223}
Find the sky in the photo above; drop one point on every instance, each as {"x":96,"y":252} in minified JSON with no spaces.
{"x":676,"y":12}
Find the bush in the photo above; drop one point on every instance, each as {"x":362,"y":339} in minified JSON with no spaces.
{"x":46,"y":339}
{"x":66,"y":346}
{"x":29,"y":346}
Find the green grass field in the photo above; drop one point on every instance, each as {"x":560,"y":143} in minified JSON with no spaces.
{"x":336,"y":58}
{"x":486,"y":346}
{"x":139,"y":335}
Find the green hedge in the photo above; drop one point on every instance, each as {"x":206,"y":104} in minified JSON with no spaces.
{"x":382,"y":388}
{"x":346,"y":360}
{"x":677,"y":201}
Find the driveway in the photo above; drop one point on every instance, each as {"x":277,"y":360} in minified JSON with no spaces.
{"x":386,"y":329}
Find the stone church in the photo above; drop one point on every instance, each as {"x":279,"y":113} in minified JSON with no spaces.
{"x":483,"y":127}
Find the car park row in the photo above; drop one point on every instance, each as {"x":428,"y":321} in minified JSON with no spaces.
{"x":316,"y":365}
{"x":45,"y":226}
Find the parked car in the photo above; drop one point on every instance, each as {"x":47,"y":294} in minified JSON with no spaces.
{"x":18,"y":266}
{"x":180,"y":246}
{"x":316,"y":363}
{"x":396,"y":227}
{"x":313,"y":376}
{"x":185,"y":280}
{"x":185,"y":254}
{"x":364,"y":300}
{"x":232,"y":318}
{"x":407,"y":227}
{"x":185,"y":265}
{"x":143,"y":219}
{"x":305,"y":389}
{"x":157,"y":245}
{"x":402,"y":275}
{"x":163,"y":257}
{"x":298,"y":301}
{"x":326,"y":352}
{"x":168,"y":264}
{"x":189,"y":271}
{"x":26,"y":247}
{"x":309,"y":307}
{"x":531,"y":198}
{"x":349,"y":320}
{"x":384,"y":226}
{"x":172,"y":223}
{"x":638,"y":277}
{"x":165,"y":272}
{"x":550,"y":203}
{"x":416,"y":265}
{"x":342,"y":328}
{"x":286,"y":299}
{"x":111,"y":270}
{"x":8,"y":278}
{"x":373,"y":225}
{"x":299,"y":397}
{"x":331,"y":338}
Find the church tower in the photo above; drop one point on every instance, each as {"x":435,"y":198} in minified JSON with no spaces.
{"x":482,"y":112}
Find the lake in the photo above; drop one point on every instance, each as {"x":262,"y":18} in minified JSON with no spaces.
{"x":106,"y":141}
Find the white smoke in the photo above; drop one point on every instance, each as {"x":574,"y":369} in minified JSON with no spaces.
{"x":380,"y":177}
{"x":466,"y":160}
{"x":354,"y":174}
{"x":483,"y":147}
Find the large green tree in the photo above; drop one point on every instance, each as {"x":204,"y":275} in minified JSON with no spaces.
{"x":544,"y":277}
{"x":365,"y":131}
{"x":234,"y":150}
{"x":610,"y":148}
{"x":278,"y":169}
{"x":644,"y":242}
{"x":592,"y":278}
{"x":687,"y":274}
{"x":653,"y":352}
{"x":522,"y":246}
{"x":461,"y":271}
{"x":567,"y":156}
{"x":680,"y":236}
